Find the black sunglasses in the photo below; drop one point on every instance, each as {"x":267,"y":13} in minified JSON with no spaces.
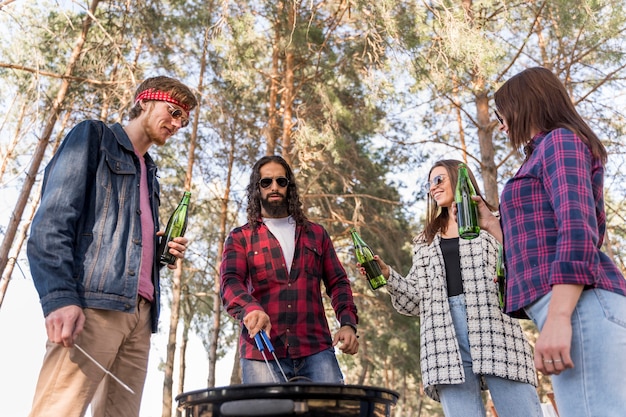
{"x":177,"y":114}
{"x":266,"y":182}
{"x":498,"y":117}
{"x":438,"y":180}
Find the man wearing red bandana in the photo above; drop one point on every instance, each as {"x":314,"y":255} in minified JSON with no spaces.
{"x":92,"y":255}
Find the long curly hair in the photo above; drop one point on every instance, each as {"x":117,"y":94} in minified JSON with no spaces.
{"x":437,"y":217}
{"x":294,"y":205}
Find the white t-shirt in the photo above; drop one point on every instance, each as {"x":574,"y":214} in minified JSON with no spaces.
{"x":284,"y":229}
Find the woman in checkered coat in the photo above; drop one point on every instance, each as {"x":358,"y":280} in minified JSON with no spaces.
{"x":467,"y":344}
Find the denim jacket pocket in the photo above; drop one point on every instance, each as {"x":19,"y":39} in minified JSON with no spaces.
{"x":120,"y":165}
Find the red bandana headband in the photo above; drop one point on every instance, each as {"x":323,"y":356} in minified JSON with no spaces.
{"x":153,"y":94}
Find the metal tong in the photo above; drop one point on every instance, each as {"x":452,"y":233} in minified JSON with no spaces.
{"x":260,"y":338}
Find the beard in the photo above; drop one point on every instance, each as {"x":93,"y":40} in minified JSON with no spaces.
{"x":275,"y":208}
{"x":154,"y":133}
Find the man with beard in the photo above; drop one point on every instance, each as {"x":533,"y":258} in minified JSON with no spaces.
{"x":271,"y":272}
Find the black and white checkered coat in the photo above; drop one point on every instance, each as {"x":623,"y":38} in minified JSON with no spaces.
{"x":497,"y":343}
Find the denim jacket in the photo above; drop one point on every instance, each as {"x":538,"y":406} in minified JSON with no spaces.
{"x":85,"y":242}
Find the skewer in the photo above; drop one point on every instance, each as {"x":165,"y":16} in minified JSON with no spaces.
{"x":109,"y":373}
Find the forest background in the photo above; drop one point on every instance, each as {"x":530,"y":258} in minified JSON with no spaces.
{"x":361,"y":97}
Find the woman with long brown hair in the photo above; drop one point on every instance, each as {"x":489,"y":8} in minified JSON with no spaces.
{"x":553,"y":225}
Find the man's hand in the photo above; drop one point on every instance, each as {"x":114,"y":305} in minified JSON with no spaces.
{"x":348,"y":338}
{"x":65,"y":324}
{"x":176,"y":247}
{"x":257,"y":320}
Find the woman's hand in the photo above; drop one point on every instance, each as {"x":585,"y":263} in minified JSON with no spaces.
{"x":552,"y":350}
{"x":384,"y":268}
{"x":487,"y":220}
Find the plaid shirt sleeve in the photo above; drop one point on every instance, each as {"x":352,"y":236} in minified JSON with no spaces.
{"x":337,"y":284}
{"x":234,"y":277}
{"x":568,"y":171}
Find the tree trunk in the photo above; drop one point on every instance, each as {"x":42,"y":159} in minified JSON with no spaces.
{"x":235,"y":376}
{"x":42,"y":145}
{"x":272,"y":112}
{"x":288,"y":88}
{"x":182,"y":352}
{"x":16,"y":137}
{"x":488,"y":169}
{"x":179,"y":278}
{"x":217,"y":300}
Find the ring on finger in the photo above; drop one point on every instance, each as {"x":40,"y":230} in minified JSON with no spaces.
{"x":547,"y":360}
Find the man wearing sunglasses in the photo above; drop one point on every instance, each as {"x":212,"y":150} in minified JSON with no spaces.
{"x":271,"y":275}
{"x":92,"y":256}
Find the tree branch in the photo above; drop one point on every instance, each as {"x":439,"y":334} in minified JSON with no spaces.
{"x":60,"y":76}
{"x":5,"y":3}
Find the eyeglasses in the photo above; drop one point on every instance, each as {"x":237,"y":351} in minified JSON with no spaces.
{"x":177,"y":114}
{"x":281,"y":181}
{"x":438,"y":180}
{"x":498,"y":117}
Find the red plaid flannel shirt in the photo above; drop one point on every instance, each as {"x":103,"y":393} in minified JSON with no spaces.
{"x":254,"y":277}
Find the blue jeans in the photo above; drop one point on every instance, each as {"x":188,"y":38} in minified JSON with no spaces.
{"x":511,"y":398}
{"x":596,"y":385}
{"x":320,"y":367}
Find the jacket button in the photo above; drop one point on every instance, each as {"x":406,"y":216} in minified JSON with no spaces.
{"x":139,"y":212}
{"x":131,"y":273}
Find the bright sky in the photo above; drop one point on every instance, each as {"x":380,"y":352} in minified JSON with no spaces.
{"x":23,"y":346}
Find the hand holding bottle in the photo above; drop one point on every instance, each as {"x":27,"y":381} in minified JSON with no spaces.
{"x":365,"y":259}
{"x":176,"y":227}
{"x":486,"y":219}
{"x":466,"y":209}
{"x":384,"y":268}
{"x":176,"y":247}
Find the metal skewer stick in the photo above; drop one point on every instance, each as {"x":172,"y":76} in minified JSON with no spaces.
{"x":109,"y":373}
{"x":267,"y":341}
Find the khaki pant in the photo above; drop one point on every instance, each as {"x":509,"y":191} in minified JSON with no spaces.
{"x":69,"y":381}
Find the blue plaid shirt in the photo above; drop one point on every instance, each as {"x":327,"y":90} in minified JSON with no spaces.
{"x":553,"y":220}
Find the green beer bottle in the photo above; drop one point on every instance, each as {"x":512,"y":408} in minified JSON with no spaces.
{"x":501,"y":275}
{"x":176,"y":227}
{"x":365,"y":257}
{"x":466,"y":208}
